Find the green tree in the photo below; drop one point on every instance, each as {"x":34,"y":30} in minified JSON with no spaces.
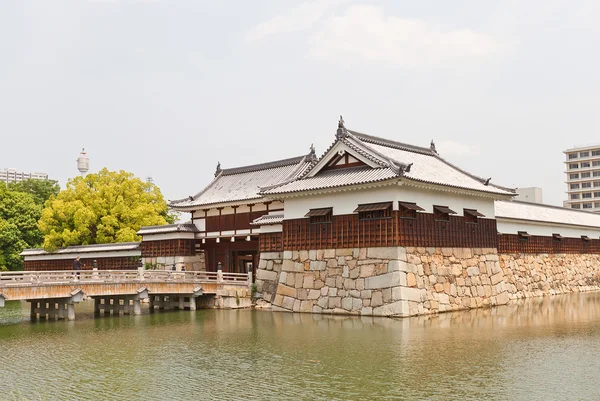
{"x":40,"y":190}
{"x":102,"y":208}
{"x":19,"y":214}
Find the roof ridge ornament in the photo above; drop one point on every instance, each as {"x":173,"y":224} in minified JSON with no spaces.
{"x":487,"y":182}
{"x":432,"y":147}
{"x":218,"y":170}
{"x":312,"y":155}
{"x":341,"y":131}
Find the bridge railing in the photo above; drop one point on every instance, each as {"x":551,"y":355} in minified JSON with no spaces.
{"x":116,"y":276}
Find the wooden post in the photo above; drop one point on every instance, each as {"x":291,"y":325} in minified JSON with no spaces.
{"x":70,"y":311}
{"x":192,"y":303}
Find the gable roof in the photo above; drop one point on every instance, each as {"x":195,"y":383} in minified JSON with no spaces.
{"x":243,"y":183}
{"x":388,"y":160}
{"x":518,"y":210}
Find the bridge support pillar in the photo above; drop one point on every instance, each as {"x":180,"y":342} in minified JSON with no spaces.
{"x":70,"y":311}
{"x":192,"y":303}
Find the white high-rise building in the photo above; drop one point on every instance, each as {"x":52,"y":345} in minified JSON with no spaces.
{"x":13,"y":175}
{"x":583,"y":178}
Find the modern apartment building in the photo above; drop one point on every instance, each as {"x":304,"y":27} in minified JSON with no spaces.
{"x":583,"y":178}
{"x":13,"y":175}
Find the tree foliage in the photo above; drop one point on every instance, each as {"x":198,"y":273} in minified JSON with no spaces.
{"x":100,"y":208}
{"x":40,"y":190}
{"x":19,"y":214}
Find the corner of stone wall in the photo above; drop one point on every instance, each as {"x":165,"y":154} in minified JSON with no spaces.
{"x":267,"y":277}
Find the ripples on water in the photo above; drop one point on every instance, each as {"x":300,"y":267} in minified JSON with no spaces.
{"x":541,"y":349}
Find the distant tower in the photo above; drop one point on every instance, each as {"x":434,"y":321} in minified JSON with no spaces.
{"x":83,"y":162}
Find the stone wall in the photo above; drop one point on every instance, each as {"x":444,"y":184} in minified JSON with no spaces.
{"x":408,"y":281}
{"x":190,"y":263}
{"x":534,"y":275}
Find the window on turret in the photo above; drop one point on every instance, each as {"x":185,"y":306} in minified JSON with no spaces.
{"x":408,"y":210}
{"x":442,"y":213}
{"x":472,"y":216}
{"x":372,"y":211}
{"x":318,"y":216}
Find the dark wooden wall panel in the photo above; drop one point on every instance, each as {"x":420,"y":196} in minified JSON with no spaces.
{"x":511,"y":243}
{"x":270,"y":242}
{"x":116,"y":263}
{"x":347,"y":231}
{"x":172,"y":247}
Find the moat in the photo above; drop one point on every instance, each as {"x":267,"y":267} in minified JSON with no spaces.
{"x":542,"y":348}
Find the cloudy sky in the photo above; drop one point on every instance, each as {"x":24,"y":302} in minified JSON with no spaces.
{"x":166,"y":88}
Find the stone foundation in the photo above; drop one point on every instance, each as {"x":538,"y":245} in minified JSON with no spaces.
{"x":399,"y":281}
{"x":189,"y":263}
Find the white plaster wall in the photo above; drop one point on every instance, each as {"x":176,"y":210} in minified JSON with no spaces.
{"x":161,"y":237}
{"x":258,"y":206}
{"x":200,"y":224}
{"x":547,"y":229}
{"x":86,"y":255}
{"x":274,"y":228}
{"x":345,"y":202}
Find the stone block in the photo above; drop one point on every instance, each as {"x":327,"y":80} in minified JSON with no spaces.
{"x":296,"y":307}
{"x":318,"y":265}
{"x":291,"y":279}
{"x":354,"y":293}
{"x":383,"y":281}
{"x":286,"y":291}
{"x":411,"y":280}
{"x":332,"y":263}
{"x":354,"y":273}
{"x":367,"y":270}
{"x":266,"y":275}
{"x":496,"y":278}
{"x":288,"y":265}
{"x":397,"y":265}
{"x":312,"y":254}
{"x":288,"y":303}
{"x":299,"y":280}
{"x":303,"y":256}
{"x":319,"y":284}
{"x":366,"y":294}
{"x":270,"y":255}
{"x":399,"y":308}
{"x":333,"y":292}
{"x":376,"y":298}
{"x":502,"y":299}
{"x":282,"y":277}
{"x":360,"y":284}
{"x":314,"y":294}
{"x":330,"y":281}
{"x":410,"y":294}
{"x":472,"y":271}
{"x":344,"y":252}
{"x":357,"y":304}
{"x":366,"y":311}
{"x":347,"y":303}
{"x":335,"y":302}
{"x":384,"y":253}
{"x":278,"y":300}
{"x":317,"y":309}
{"x":323,"y":302}
{"x":288,"y":255}
{"x":349,"y":284}
{"x":306,"y":306}
{"x":329,"y":253}
{"x":387,"y":295}
{"x":345,"y":272}
{"x":381,"y":268}
{"x":309,"y":281}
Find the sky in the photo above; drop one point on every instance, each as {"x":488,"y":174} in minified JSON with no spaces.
{"x":168,"y":88}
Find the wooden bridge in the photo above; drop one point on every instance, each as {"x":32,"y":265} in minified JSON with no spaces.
{"x":53,"y":294}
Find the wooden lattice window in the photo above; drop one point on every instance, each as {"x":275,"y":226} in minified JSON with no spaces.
{"x":472,"y":216}
{"x":319,"y":216}
{"x":373,"y":211}
{"x":442,"y":213}
{"x":408,"y":210}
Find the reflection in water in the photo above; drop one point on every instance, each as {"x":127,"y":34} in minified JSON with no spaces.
{"x":539,"y":349}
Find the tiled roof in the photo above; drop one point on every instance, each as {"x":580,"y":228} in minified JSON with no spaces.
{"x":545,"y":213}
{"x":336,"y":178}
{"x":268,"y":219}
{"x":169,"y":228}
{"x":83,"y":249}
{"x":392,"y":160}
{"x":243,"y":183}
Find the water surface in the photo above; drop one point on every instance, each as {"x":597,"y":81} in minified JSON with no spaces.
{"x":542,"y":349}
